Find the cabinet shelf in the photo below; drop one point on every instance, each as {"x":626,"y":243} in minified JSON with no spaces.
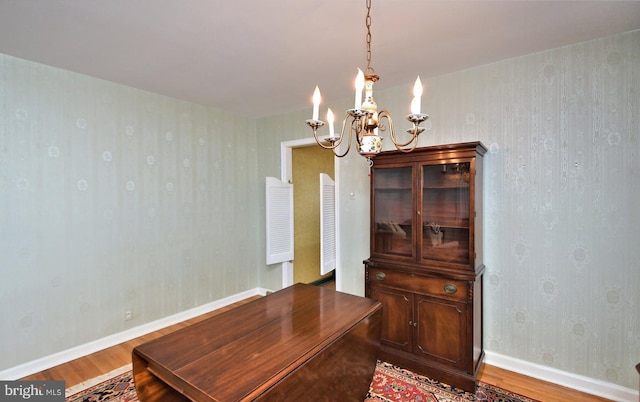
{"x":446,"y":222}
{"x":446,"y":186}
{"x":452,"y":252}
{"x":394,"y":188}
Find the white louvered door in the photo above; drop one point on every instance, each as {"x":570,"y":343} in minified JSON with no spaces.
{"x":279,"y":226}
{"x":327,"y":224}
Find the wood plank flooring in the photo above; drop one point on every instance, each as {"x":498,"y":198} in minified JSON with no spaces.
{"x":88,"y":367}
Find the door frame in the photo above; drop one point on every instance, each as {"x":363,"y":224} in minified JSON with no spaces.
{"x":286,"y":173}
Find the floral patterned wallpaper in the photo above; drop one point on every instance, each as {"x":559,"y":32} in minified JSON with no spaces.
{"x":562,"y":186}
{"x":113,"y":199}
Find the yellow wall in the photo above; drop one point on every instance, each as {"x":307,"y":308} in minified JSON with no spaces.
{"x":308,"y":163}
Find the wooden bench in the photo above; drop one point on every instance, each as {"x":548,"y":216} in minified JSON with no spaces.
{"x":301,"y":343}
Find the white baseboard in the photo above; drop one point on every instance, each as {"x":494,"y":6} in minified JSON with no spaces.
{"x":65,"y":356}
{"x":581,"y":383}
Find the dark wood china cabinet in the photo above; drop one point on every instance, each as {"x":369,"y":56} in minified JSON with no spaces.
{"x":426,"y":259}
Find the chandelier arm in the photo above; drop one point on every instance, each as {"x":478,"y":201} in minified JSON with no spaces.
{"x":407,"y":150}
{"x":344,"y":124}
{"x":414,"y":139}
{"x":334,"y":144}
{"x":384,"y":114}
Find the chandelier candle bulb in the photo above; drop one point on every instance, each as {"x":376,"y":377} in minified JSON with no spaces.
{"x":330,"y":121}
{"x":316,"y":103}
{"x":415,"y":105}
{"x":359,"y":88}
{"x":417,"y":95}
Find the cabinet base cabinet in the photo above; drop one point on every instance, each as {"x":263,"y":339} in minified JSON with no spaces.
{"x":440,"y":327}
{"x":397,"y":307}
{"x":431,"y":324}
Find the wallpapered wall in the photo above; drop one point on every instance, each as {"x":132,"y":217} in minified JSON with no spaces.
{"x":562,"y":182}
{"x":115,"y":199}
{"x":562,"y":185}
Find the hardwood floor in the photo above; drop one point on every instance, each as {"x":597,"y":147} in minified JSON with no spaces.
{"x":532,"y":387}
{"x":88,"y":367}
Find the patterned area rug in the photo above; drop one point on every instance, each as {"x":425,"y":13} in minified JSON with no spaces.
{"x":116,"y":386}
{"x":390,"y":383}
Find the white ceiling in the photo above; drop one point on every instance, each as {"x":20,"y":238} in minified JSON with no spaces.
{"x":264,"y":57}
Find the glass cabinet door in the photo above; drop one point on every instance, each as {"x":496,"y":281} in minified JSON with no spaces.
{"x":393,"y":212}
{"x":445,"y":213}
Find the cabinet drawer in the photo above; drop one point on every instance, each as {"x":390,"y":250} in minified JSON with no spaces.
{"x":439,"y":287}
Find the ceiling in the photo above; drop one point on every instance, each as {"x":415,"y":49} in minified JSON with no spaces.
{"x":261,"y":57}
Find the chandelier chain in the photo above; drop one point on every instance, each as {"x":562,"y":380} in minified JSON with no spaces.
{"x":368,"y":23}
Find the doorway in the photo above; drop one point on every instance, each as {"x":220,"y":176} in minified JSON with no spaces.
{"x":308,"y":163}
{"x":302,"y":161}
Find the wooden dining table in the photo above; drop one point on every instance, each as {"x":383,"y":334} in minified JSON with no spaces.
{"x":302,"y":343}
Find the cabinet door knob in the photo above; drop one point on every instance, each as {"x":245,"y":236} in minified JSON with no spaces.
{"x":380,"y":276}
{"x":450,"y":288}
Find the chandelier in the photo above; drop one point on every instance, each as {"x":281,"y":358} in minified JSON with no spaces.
{"x":364,"y":120}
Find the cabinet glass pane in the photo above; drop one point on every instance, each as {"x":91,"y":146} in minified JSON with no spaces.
{"x":393,"y":205}
{"x":445,"y":213}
